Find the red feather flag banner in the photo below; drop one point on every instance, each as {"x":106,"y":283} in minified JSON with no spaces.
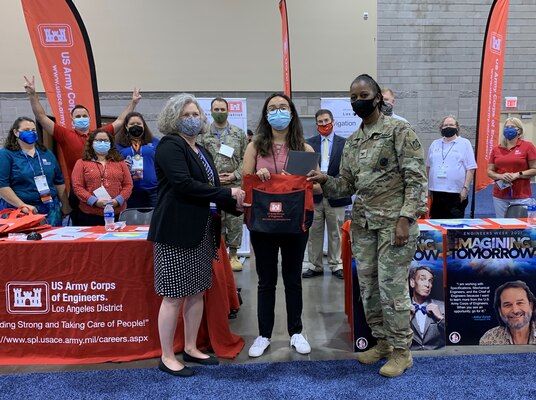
{"x":286,"y":49}
{"x":491,"y":77}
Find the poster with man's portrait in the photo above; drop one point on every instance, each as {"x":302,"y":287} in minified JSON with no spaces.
{"x":491,"y":278}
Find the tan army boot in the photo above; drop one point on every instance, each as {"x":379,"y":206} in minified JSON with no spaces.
{"x":236,"y":265}
{"x":399,"y":361}
{"x":381,"y":350}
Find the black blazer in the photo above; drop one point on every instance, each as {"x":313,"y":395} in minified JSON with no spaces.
{"x":333,"y":167}
{"x":184,"y":195}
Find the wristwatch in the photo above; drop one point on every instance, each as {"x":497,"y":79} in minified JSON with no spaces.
{"x":520,"y":173}
{"x":410,"y":220}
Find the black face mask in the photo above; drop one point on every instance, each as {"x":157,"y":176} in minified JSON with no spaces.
{"x":363,"y":108}
{"x":135,"y":131}
{"x":387,"y":109}
{"x":449,"y":131}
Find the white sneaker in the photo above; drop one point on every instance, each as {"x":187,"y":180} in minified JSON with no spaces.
{"x":300,"y":343}
{"x":259,"y":345}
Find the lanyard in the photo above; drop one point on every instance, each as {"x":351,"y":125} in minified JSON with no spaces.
{"x":208,"y":169}
{"x":273,"y":156}
{"x":136,"y":148}
{"x":103,"y":173}
{"x":442,"y":150}
{"x":30,"y":163}
{"x":225,"y":137}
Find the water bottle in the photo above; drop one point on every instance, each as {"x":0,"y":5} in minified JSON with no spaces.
{"x":531,"y":208}
{"x":109,"y":223}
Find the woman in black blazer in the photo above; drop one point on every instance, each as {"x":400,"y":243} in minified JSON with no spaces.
{"x":185,"y":227}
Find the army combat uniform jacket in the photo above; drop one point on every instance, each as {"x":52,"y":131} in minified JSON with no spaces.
{"x":383,"y":165}
{"x":231,"y":136}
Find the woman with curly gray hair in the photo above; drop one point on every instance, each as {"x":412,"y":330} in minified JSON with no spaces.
{"x":185,"y":227}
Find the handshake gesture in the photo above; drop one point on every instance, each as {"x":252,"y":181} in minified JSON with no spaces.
{"x":239,"y":195}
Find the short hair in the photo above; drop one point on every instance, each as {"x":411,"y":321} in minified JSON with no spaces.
{"x":518,"y":124}
{"x":123,"y":138}
{"x":388,"y":89}
{"x":89,"y":152}
{"x":219,"y":99}
{"x":264,"y":139}
{"x":371,"y":83}
{"x":323,"y":111}
{"x":172,"y":111}
{"x":77,"y":106}
{"x":513,"y":285}
{"x":449,"y":116}
{"x":413,"y":271}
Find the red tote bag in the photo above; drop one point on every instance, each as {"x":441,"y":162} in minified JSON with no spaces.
{"x":14,"y":220}
{"x":282,"y":204}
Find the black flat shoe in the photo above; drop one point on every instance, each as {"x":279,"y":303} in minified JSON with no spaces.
{"x":211,"y":360}
{"x":310,"y":273}
{"x":184,"y":373}
{"x":338,"y":274}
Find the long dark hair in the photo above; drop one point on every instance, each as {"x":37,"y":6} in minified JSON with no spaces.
{"x":12,"y":143}
{"x":89,"y":152}
{"x":123,"y":138}
{"x":264,"y":139}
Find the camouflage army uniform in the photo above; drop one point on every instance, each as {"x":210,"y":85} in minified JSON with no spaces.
{"x":385,"y":168}
{"x":234,"y":137}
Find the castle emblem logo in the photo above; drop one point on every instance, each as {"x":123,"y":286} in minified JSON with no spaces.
{"x":27,"y":297}
{"x":55,"y":35}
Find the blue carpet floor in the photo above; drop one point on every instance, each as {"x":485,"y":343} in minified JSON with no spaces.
{"x":506,"y":376}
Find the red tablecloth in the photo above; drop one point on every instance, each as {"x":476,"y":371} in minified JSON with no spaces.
{"x":89,"y":300}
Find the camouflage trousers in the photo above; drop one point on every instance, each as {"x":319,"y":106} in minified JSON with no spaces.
{"x":382,"y":270}
{"x":231,"y":227}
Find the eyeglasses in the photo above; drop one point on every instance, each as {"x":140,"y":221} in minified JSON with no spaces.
{"x":102,"y":140}
{"x":282,"y":108}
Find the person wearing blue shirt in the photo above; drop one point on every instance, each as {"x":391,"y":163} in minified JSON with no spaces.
{"x":137,"y":145}
{"x":30,"y":176}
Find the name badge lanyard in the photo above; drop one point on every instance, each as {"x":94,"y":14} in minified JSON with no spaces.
{"x":443,"y":155}
{"x":213,"y":208}
{"x":40,"y":180}
{"x":137,"y":150}
{"x":275,"y":162}
{"x":224,"y":136}
{"x":103,"y":173}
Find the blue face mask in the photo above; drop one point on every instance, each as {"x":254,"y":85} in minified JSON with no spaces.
{"x":510,"y":133}
{"x":279,"y":119}
{"x":190,"y":126}
{"x":101,"y":147}
{"x":81,"y":123}
{"x":29,"y":137}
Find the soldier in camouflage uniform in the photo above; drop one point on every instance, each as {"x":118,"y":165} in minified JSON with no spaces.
{"x":383,"y":165}
{"x":227,"y":144}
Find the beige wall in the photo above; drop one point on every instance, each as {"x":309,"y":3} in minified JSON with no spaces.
{"x":208,"y":45}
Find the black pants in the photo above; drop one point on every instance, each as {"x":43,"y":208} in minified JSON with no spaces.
{"x":447,"y":205}
{"x":74,"y":202}
{"x":266,"y":247}
{"x":142,"y":198}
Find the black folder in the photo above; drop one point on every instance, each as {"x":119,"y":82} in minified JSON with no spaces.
{"x":301,"y":162}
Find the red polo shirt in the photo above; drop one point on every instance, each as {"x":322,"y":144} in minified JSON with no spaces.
{"x":513,"y":160}
{"x":71,"y":145}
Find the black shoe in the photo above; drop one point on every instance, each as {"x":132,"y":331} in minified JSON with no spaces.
{"x":311,"y":273}
{"x":211,"y":360}
{"x":338,"y":274}
{"x":184,"y":373}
